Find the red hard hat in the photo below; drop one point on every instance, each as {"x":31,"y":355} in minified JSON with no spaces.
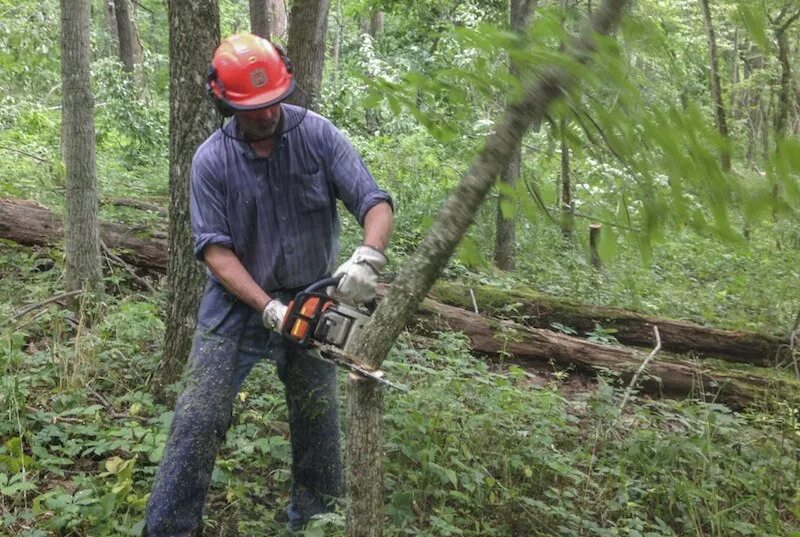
{"x":248,"y":72}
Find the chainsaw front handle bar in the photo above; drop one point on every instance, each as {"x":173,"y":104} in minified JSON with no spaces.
{"x":326,"y":282}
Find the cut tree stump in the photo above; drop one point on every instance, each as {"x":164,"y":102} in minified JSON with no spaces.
{"x":636,"y":329}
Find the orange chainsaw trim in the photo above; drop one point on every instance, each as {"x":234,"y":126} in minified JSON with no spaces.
{"x":301,"y":325}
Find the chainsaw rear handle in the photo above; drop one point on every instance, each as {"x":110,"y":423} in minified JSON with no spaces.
{"x":304,"y":312}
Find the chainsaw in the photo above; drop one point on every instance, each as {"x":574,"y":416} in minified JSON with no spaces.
{"x":328,"y":327}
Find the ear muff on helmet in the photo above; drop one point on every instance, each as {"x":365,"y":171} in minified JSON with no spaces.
{"x":248,"y":73}
{"x":211,"y":80}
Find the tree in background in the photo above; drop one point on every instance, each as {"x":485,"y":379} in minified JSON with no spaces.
{"x":520,"y":14}
{"x":308,"y":24}
{"x":716,"y":87}
{"x":83,"y":265}
{"x":259,"y":18}
{"x":125,"y":31}
{"x":780,"y":25}
{"x":193,"y":36}
{"x":371,"y":24}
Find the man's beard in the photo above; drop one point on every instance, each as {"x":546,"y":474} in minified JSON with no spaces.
{"x":257,"y":130}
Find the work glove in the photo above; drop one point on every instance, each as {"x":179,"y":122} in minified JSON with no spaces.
{"x":358,"y":276}
{"x":273,"y":315}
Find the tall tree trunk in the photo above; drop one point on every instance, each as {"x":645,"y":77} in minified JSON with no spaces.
{"x":125,"y":33}
{"x":567,"y":203}
{"x":364,"y":512}
{"x":520,"y":13}
{"x":782,"y":115}
{"x":308,"y":24}
{"x":277,"y":18}
{"x":734,"y":73}
{"x":111,"y":25}
{"x":336,"y":47}
{"x":83,"y":265}
{"x":374,"y":26}
{"x":259,"y":18}
{"x":193,"y":37}
{"x":716,"y":88}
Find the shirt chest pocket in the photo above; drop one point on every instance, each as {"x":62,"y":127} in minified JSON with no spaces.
{"x":311,"y":191}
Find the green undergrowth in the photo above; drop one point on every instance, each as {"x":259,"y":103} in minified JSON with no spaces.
{"x":472,"y":449}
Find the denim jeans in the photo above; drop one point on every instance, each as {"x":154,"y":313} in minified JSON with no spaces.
{"x":227,"y":343}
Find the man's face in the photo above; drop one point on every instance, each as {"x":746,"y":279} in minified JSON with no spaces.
{"x":259,"y":124}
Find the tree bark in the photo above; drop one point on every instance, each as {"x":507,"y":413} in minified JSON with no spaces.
{"x":111,"y":25}
{"x":193,"y":37}
{"x":259,"y":18}
{"x":520,"y":14}
{"x":308,"y":24}
{"x":716,"y":88}
{"x":278,"y":22}
{"x":594,"y":245}
{"x":336,"y":47}
{"x":426,"y":263}
{"x":567,"y":207}
{"x":669,"y":375}
{"x":125,"y":33}
{"x":82,"y":251}
{"x":374,"y":26}
{"x":786,"y":81}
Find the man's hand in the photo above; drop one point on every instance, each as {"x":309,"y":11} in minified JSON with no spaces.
{"x":359,"y":275}
{"x":273,"y":314}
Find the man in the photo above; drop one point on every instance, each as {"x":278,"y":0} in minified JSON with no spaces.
{"x":264,"y":219}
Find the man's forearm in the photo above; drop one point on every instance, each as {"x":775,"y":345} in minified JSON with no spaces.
{"x":224,"y":264}
{"x":378,"y":224}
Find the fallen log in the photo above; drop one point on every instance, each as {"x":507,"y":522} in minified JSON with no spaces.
{"x":667,"y":375}
{"x":31,"y":224}
{"x":636,"y":329}
{"x":28,"y":223}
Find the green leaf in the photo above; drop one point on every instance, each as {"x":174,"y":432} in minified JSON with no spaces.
{"x":755,"y":24}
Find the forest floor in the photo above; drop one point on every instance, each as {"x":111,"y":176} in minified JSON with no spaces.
{"x":476,"y":447}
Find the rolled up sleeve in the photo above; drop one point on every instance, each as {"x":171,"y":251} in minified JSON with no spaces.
{"x":354,"y":184}
{"x":207,"y":207}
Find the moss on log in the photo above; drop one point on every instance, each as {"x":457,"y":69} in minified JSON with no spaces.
{"x":536,"y":310}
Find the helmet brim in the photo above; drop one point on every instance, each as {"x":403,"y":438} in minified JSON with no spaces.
{"x":263,"y":100}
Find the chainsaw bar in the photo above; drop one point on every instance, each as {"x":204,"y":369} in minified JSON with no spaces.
{"x":339,"y":358}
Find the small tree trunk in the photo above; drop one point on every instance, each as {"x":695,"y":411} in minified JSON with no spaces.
{"x":278,"y":22}
{"x":734,"y":73}
{"x":520,"y":15}
{"x":192,"y":119}
{"x":336,"y":47}
{"x":567,"y":217}
{"x":125,"y":32}
{"x":716,"y":88}
{"x":259,"y":18}
{"x":308,"y":24}
{"x":594,"y":244}
{"x":82,"y":252}
{"x":375,"y":28}
{"x":424,"y":266}
{"x":364,"y":464}
{"x":785,"y":92}
{"x":111,"y":26}
{"x":505,"y":239}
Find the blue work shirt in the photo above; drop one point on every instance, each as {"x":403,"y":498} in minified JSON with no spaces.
{"x":278,"y":214}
